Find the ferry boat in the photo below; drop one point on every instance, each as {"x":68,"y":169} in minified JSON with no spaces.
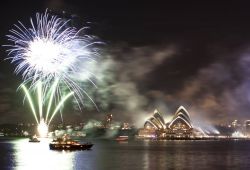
{"x":68,"y":144}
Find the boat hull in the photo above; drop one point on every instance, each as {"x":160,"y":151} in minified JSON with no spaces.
{"x":34,"y":141}
{"x":70,"y":147}
{"x":121,"y":138}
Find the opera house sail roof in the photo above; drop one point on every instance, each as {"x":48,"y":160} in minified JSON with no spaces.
{"x":156,"y":121}
{"x":180,"y":124}
{"x":181,"y":117}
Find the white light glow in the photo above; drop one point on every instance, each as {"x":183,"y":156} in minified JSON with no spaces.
{"x":47,"y":56}
{"x":42,"y":129}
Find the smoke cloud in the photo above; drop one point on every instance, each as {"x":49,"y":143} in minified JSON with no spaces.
{"x":133,"y":81}
{"x":216,"y":93}
{"x":121,"y":77}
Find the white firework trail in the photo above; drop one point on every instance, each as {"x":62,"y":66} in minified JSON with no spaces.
{"x":51,"y":50}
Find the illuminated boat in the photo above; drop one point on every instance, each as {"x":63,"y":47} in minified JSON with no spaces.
{"x":68,"y":144}
{"x":121,"y":138}
{"x":34,"y":139}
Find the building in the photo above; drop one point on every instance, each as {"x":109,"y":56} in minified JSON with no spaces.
{"x":146,"y":133}
{"x":247,"y":128}
{"x":180,"y":126}
{"x":108,"y":120}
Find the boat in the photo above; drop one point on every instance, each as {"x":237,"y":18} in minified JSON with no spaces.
{"x":34,"y":139}
{"x":121,"y":138}
{"x":69,"y":144}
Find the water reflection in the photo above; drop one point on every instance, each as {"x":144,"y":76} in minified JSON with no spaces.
{"x":146,"y":161}
{"x":146,"y":155}
{"x":38,"y":156}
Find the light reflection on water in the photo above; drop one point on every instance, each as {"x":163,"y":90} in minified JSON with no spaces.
{"x":146,"y":155}
{"x":38,"y":156}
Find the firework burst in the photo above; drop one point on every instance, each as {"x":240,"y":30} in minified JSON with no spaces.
{"x":40,"y":103}
{"x":50,"y":50}
{"x":44,"y":120}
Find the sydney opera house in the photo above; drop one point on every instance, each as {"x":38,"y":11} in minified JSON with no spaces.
{"x":180,"y":126}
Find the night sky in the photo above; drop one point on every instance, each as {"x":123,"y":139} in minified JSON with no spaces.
{"x":156,"y":55}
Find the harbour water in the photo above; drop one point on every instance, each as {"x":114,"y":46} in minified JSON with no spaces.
{"x":142,"y":155}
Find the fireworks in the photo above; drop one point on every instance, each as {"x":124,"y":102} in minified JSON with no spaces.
{"x":50,"y":55}
{"x":42,"y":128}
{"x":43,"y":124}
{"x":50,"y":50}
{"x":41,"y":103}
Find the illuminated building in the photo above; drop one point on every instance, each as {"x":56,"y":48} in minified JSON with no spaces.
{"x":108,"y":120}
{"x":235,"y":124}
{"x":180,"y":126}
{"x":146,"y":133}
{"x":126,"y":126}
{"x":247,"y":127}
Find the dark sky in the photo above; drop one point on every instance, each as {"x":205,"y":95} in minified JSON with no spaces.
{"x":164,"y":54}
